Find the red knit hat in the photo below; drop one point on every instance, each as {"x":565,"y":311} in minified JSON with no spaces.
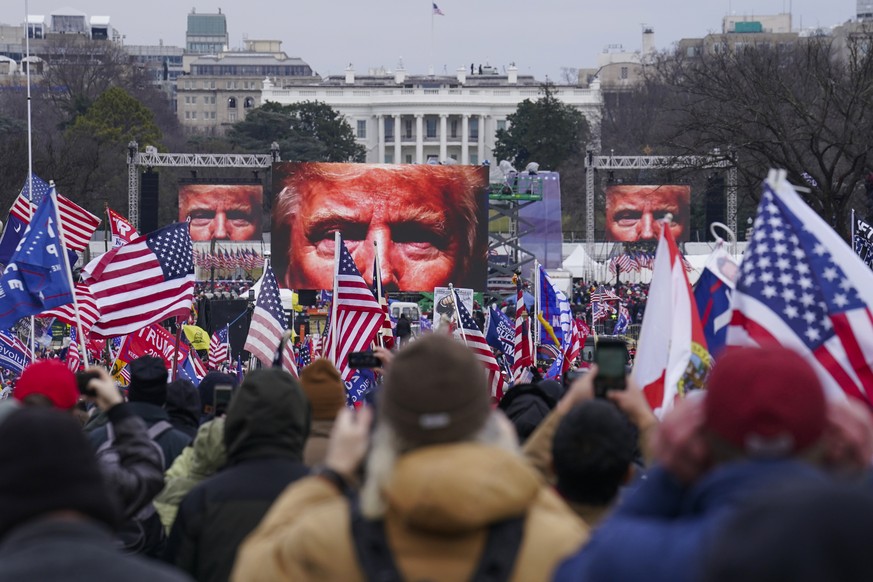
{"x":52,"y":379}
{"x":767,"y":401}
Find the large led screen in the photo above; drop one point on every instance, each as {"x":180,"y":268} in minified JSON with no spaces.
{"x":429,"y":223}
{"x":222,"y":211}
{"x":634,"y":212}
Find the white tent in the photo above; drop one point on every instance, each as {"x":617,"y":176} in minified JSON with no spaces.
{"x":579,"y":263}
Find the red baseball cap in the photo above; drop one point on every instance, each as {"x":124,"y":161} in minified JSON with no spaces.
{"x":767,"y":401}
{"x":52,"y":379}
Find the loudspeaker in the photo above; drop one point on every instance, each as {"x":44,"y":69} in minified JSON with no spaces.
{"x":225,"y":311}
{"x":148,"y":202}
{"x":306,"y":297}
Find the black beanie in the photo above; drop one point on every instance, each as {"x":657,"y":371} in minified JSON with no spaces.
{"x":148,"y":380}
{"x":48,"y":466}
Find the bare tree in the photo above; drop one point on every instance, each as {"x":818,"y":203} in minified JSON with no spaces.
{"x":804,"y":107}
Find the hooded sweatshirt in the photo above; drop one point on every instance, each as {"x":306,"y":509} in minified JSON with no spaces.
{"x":264,"y":432}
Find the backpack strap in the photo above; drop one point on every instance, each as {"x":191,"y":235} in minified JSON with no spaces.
{"x":377,"y":562}
{"x":371,"y":546}
{"x":501,"y":550}
{"x":159,"y":428}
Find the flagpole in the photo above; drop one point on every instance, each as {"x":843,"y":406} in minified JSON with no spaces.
{"x":30,"y":159}
{"x":457,"y":299}
{"x":63,"y":251}
{"x":377,"y":279}
{"x":853,"y":229}
{"x":176,"y":348}
{"x":337,"y":241}
{"x":537,"y":299}
{"x":431,"y":68}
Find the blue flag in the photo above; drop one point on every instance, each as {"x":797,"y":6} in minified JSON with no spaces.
{"x":500,"y":334}
{"x":556,"y":310}
{"x":15,"y":226}
{"x":36,"y":277}
{"x":363,"y":382}
{"x":14,"y":355}
{"x":712,"y":293}
{"x":187,"y":372}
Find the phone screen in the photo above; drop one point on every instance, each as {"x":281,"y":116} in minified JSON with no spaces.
{"x":223,"y":393}
{"x":611,"y":359}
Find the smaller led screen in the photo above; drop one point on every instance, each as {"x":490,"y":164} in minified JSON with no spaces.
{"x":222,"y":211}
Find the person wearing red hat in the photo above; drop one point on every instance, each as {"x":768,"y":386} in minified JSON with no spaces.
{"x":763,"y":422}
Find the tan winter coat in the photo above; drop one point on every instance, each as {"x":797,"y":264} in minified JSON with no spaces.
{"x":441,"y":501}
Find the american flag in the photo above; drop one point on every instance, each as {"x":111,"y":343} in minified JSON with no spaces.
{"x":88,"y":311}
{"x":603,"y":294}
{"x":436,"y":10}
{"x":74,"y":358}
{"x":304,"y":358}
{"x":144,"y":282}
{"x":574,"y":346}
{"x":268,"y":325}
{"x":386,"y":333}
{"x":472,"y":336}
{"x":358,"y":315}
{"x":218,"y":351}
{"x":523,"y":354}
{"x":801,"y":286}
{"x":78,"y":223}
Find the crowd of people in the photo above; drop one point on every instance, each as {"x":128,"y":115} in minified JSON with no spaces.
{"x":759,"y":477}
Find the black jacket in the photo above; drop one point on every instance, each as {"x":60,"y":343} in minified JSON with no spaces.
{"x":526,"y":406}
{"x":80,"y":550}
{"x":172,"y":442}
{"x":267,"y":424}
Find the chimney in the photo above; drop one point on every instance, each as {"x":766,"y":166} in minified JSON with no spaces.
{"x":512,"y":74}
{"x":400,"y":75}
{"x":462,"y":75}
{"x":648,"y":40}
{"x":350,"y":75}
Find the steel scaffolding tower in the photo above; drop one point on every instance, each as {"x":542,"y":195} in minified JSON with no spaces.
{"x":594,"y":163}
{"x":152,"y":159}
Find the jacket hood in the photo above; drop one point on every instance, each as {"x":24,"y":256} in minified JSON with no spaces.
{"x":210,"y":455}
{"x":267,"y":417}
{"x":455,"y":488}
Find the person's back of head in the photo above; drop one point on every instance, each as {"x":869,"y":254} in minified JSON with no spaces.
{"x":148,"y":381}
{"x":526,"y":406}
{"x":183,"y":404}
{"x":268,"y":416}
{"x":763,"y":403}
{"x":435,"y":392}
{"x":592,"y":453}
{"x":799,"y":533}
{"x":206,"y":388}
{"x":47,"y":383}
{"x":49,"y":467}
{"x":324,"y":389}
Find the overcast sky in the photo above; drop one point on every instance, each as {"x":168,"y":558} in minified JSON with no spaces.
{"x":540,"y":36}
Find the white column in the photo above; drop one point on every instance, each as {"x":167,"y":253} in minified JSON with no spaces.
{"x":419,"y":138}
{"x":443,"y":131}
{"x":465,"y":139}
{"x":380,"y":123}
{"x":397,"y":130}
{"x":482,"y":140}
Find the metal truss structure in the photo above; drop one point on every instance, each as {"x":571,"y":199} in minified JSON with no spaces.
{"x":594,"y":163}
{"x":506,"y":200}
{"x":152,"y":159}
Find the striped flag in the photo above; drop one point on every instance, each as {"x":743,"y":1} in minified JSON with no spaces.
{"x":78,"y":223}
{"x":358,"y":315}
{"x":144,"y":282}
{"x":74,"y":358}
{"x":436,"y":10}
{"x":268,"y":325}
{"x":386,"y":333}
{"x":472,"y":336}
{"x":218,"y":351}
{"x":801,"y":286}
{"x":523,"y":352}
{"x":88,"y":311}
